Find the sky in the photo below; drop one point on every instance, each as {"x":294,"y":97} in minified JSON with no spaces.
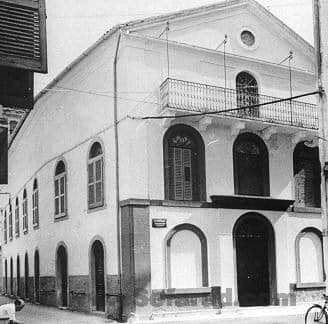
{"x":74,"y":25}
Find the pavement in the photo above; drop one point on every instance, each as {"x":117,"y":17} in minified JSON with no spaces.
{"x":249,"y":315}
{"x":40,"y":314}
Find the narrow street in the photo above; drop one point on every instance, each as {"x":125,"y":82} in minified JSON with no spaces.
{"x":39,"y":314}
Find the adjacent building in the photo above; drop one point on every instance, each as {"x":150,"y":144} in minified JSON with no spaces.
{"x":165,"y":171}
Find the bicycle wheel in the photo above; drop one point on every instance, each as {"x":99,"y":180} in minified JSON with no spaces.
{"x":316,"y":314}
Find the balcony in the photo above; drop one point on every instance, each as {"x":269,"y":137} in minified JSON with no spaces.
{"x":193,"y":97}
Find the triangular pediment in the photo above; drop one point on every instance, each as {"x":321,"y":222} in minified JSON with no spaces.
{"x":251,"y":30}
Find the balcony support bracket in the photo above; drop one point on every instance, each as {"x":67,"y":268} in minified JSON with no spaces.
{"x":204,"y":123}
{"x":166,"y":122}
{"x":302,"y":136}
{"x":268,"y":132}
{"x":237,"y":127}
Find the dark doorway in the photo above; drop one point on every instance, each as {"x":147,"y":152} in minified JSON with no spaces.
{"x":26,"y":276}
{"x":6,"y":277}
{"x":251,"y":166}
{"x":11,"y":277}
{"x":98,"y":274}
{"x":18,"y":276}
{"x":37,"y":276}
{"x":62,"y":276}
{"x":255,"y":259}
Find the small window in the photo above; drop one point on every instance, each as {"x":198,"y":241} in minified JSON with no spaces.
{"x":60,"y":190}
{"x":25,"y":217}
{"x":10,"y":222}
{"x":17,"y":218}
{"x":248,"y":38}
{"x":95,"y":176}
{"x":35,"y":204}
{"x":5,"y":227}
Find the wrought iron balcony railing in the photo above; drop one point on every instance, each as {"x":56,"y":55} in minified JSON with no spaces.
{"x":200,"y":98}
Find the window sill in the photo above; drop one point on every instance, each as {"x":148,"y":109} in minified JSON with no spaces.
{"x":187,"y":291}
{"x":36,"y":227}
{"x":299,"y":209}
{"x":96,"y":208}
{"x":60,"y":218}
{"x":307,"y":285}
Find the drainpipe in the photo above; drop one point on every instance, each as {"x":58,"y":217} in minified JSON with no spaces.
{"x":117,"y":175}
{"x":320,"y":9}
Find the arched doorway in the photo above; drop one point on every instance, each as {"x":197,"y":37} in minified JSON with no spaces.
{"x":255,"y":260}
{"x":6,"y":277}
{"x":61,"y":275}
{"x":37,"y":276}
{"x":26,"y":276}
{"x":18,"y":275}
{"x":11,"y":277}
{"x":247,"y":94}
{"x":98,"y":276}
{"x":251,"y":166}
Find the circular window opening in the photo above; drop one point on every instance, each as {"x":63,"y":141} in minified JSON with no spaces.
{"x":247,"y":38}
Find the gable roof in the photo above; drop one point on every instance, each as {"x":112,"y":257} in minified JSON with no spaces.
{"x":135,"y":25}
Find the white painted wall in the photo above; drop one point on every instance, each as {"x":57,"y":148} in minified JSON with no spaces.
{"x":64,"y":124}
{"x":217,"y":226}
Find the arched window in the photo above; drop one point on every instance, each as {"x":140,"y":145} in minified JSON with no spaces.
{"x":5,"y":227}
{"x":251,"y":166}
{"x":184,"y":164}
{"x":95,"y":176}
{"x":25,"y":217}
{"x":10,"y":222}
{"x":17,"y":218}
{"x":309,"y":257}
{"x":247,"y":94}
{"x":60,"y":190}
{"x":186,"y":258}
{"x":35,"y":204}
{"x":306,"y":176}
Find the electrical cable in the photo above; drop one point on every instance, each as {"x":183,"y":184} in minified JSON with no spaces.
{"x":228,"y":110}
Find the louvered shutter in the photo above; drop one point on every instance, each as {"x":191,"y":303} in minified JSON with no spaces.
{"x":187,"y":174}
{"x":178,"y":173}
{"x":23,"y":34}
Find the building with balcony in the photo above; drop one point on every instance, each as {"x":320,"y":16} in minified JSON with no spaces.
{"x":165,"y":173}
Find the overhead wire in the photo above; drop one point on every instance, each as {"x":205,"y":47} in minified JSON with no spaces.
{"x":228,"y":110}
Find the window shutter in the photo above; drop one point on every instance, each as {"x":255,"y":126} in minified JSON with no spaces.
{"x":187,"y":174}
{"x":178,"y":174}
{"x":23,"y":34}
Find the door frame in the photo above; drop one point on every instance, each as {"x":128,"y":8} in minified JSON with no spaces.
{"x":59,"y":288}
{"x":92,"y":282}
{"x":271,"y":256}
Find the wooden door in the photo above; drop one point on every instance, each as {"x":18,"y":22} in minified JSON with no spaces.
{"x":37,"y":277}
{"x":99,"y":277}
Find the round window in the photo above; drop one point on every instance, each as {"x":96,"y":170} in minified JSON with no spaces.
{"x":247,"y":38}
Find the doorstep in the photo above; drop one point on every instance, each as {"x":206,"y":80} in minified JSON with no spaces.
{"x":226,"y":313}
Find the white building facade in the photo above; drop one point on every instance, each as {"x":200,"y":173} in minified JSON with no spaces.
{"x":160,"y":173}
